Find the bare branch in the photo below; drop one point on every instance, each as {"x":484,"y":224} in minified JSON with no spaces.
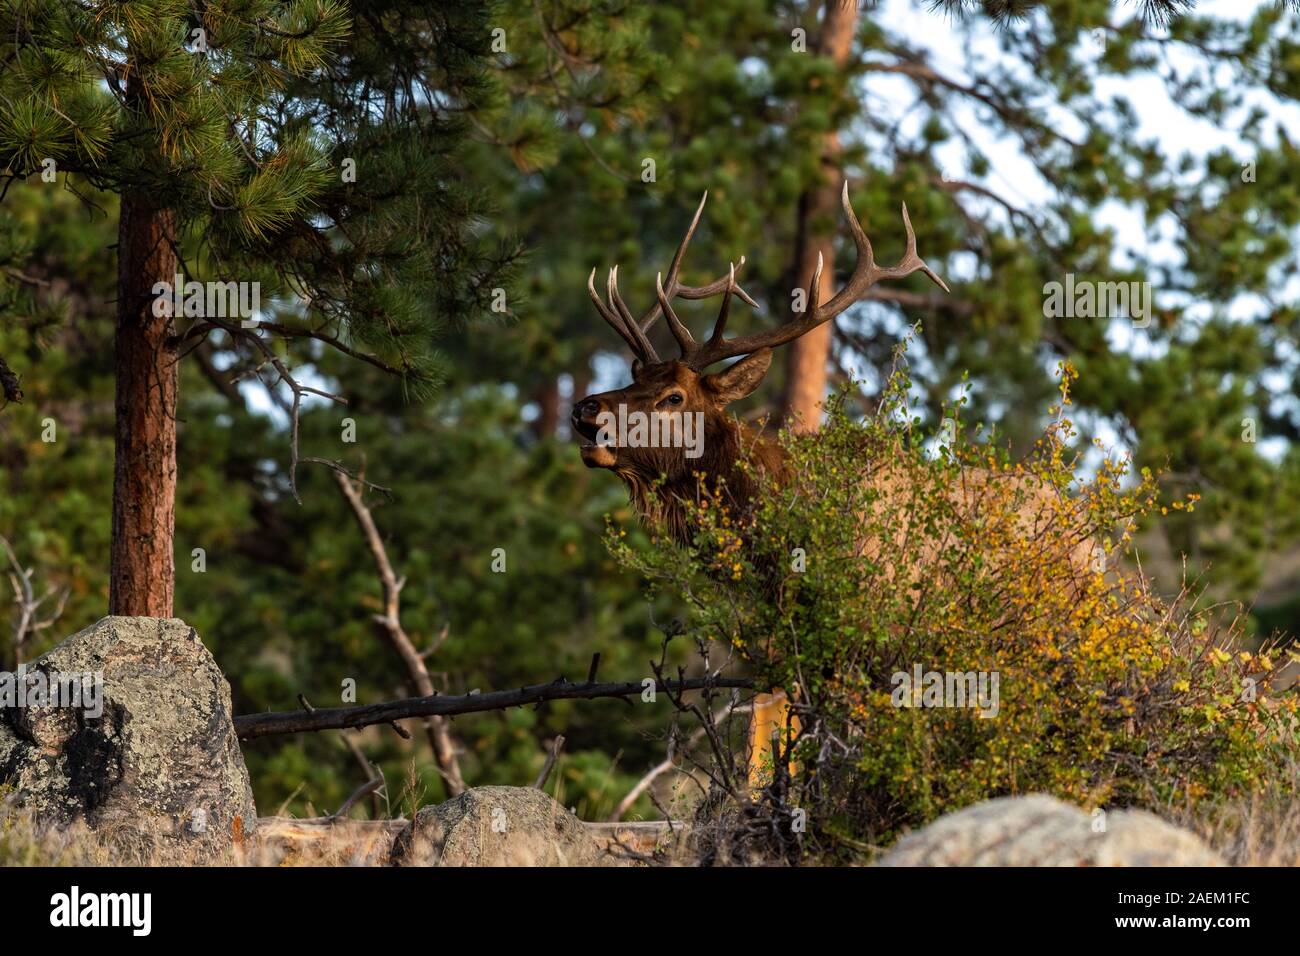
{"x":291,"y":332}
{"x":373,"y":785}
{"x":390,"y":624}
{"x":668,"y":763}
{"x":28,"y":621}
{"x":552,"y":755}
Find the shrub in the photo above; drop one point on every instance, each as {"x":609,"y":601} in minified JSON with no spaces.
{"x":885,"y":549}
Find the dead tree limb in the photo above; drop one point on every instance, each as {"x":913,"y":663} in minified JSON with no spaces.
{"x":551,"y":756}
{"x":28,"y":621}
{"x":292,"y":407}
{"x":370,"y":770}
{"x":390,"y":625}
{"x":250,"y":726}
{"x":668,"y":763}
{"x":371,"y":786}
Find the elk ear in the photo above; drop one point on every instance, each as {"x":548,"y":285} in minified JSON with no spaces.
{"x":637,"y":368}
{"x":737,"y":381}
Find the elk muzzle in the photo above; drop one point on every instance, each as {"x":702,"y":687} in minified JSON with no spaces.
{"x":585,"y":424}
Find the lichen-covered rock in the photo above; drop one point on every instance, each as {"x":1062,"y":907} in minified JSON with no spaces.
{"x":151,"y":762}
{"x":1040,"y":830}
{"x":497,"y":826}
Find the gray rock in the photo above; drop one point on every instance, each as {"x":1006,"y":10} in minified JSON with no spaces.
{"x":159,"y":771}
{"x":1040,"y":830}
{"x":497,"y":826}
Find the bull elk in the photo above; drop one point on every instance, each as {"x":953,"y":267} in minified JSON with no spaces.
{"x":663,"y":478}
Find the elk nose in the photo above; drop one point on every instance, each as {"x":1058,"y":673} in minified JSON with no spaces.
{"x":585,"y":409}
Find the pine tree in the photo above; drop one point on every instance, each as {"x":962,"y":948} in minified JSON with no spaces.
{"x":297,"y":148}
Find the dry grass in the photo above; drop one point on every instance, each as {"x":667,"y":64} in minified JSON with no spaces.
{"x":1262,"y":830}
{"x":279,"y":841}
{"x":24,"y":841}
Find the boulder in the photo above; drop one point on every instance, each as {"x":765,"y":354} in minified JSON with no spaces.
{"x":497,"y":826}
{"x":150,"y":762}
{"x":1039,"y":830}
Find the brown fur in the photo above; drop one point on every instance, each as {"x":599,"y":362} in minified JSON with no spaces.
{"x":726,"y":441}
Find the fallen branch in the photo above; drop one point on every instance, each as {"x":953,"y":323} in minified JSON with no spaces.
{"x":249,"y":726}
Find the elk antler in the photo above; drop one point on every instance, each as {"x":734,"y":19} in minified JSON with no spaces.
{"x":633,"y":330}
{"x":716,"y":348}
{"x":865,"y":274}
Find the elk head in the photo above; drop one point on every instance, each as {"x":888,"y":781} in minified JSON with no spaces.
{"x":678,"y":393}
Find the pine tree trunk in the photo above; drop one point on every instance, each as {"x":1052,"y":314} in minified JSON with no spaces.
{"x":143,"y":571}
{"x":806,"y":357}
{"x":547,"y":397}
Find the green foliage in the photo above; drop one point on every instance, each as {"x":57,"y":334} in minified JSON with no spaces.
{"x":54,"y":495}
{"x":289,"y":140}
{"x":286,"y":593}
{"x":301,"y":581}
{"x":717,"y":95}
{"x":887,"y":551}
{"x":461,"y":151}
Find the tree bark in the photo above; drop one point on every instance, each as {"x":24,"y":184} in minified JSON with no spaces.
{"x":547,"y":397}
{"x":806,"y":358}
{"x":142,"y":574}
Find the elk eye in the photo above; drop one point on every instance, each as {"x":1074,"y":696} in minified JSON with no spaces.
{"x":674,"y":399}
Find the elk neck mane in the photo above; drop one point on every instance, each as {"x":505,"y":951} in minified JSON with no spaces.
{"x":664,"y":502}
